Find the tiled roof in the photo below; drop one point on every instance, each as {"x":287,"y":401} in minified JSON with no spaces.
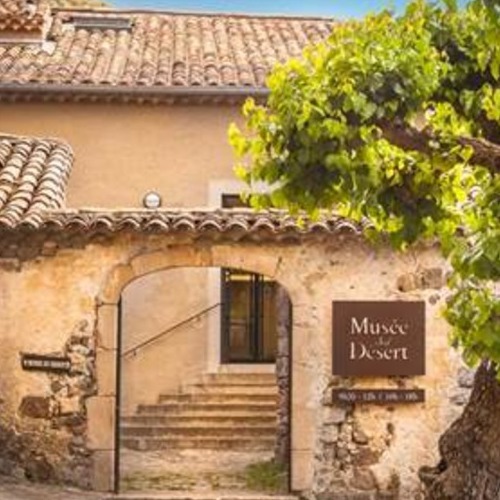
{"x":237,"y":223}
{"x":158,"y":50}
{"x":33,"y":177}
{"x":78,"y":4}
{"x":23,"y":15}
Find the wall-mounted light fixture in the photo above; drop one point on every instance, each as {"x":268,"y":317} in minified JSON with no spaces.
{"x":152,"y":200}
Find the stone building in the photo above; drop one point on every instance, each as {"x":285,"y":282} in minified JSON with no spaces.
{"x":128,"y":267}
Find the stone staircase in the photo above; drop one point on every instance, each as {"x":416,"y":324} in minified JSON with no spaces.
{"x":218,"y":412}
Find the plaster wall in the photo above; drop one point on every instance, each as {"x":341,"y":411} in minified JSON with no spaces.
{"x":124,"y":151}
{"x":89,"y":283}
{"x":156,"y":303}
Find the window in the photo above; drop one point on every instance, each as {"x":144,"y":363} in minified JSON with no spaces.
{"x":249,"y":326}
{"x":102,"y":23}
{"x":233,"y":201}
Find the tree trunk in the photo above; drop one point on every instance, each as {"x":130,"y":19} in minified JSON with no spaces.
{"x":470,"y":449}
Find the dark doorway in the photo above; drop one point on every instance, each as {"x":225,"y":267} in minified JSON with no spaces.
{"x":249,"y":325}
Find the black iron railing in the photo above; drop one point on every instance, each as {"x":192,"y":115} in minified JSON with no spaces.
{"x":138,"y":347}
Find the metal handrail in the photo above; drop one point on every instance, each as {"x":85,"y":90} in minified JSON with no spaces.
{"x":170,"y":329}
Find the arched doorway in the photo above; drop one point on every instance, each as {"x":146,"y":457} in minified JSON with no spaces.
{"x":203,"y":371}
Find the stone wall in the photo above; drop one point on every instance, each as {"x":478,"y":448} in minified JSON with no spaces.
{"x":367,"y":452}
{"x":284,"y":326}
{"x":61,"y":427}
{"x":45,"y":439}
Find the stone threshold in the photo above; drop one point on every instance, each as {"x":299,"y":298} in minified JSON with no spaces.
{"x":199,"y":496}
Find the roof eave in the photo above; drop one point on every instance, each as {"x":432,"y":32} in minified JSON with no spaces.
{"x":127,"y":93}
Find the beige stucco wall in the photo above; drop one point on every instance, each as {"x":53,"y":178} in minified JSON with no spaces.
{"x":123,"y":151}
{"x":150,"y":305}
{"x":89,"y":284}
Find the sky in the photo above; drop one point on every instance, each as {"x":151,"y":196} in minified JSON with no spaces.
{"x":331,"y":8}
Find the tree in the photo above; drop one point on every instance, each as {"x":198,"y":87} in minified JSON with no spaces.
{"x":396,"y":120}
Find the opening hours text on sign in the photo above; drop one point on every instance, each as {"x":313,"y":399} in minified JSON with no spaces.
{"x":378,"y":396}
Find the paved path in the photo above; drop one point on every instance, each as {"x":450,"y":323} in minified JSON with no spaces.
{"x":11,"y":489}
{"x":193,"y":471}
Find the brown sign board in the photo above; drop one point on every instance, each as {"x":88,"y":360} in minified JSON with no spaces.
{"x":378,"y":338}
{"x":378,"y":396}
{"x":46,"y":363}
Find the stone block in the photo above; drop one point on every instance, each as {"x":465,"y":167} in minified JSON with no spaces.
{"x":69,"y":406}
{"x":301,"y":469}
{"x":35,"y":407}
{"x":106,"y":372}
{"x":407,"y":282}
{"x":107,"y":326}
{"x":337,"y":415}
{"x":145,"y":263}
{"x":101,"y":423}
{"x":38,"y":469}
{"x":255,"y":260}
{"x":358,"y":436}
{"x":433,"y":278}
{"x":365,"y":456}
{"x":115,"y":282}
{"x":103,"y":471}
{"x":364,"y":479}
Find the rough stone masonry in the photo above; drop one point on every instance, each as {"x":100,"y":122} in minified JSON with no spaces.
{"x":60,"y":427}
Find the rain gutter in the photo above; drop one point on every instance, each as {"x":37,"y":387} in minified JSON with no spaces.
{"x":127,"y":92}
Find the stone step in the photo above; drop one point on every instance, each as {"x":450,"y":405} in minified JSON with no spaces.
{"x":202,"y":431}
{"x":201,"y":408}
{"x":223,"y":388}
{"x":218,"y":398}
{"x":207,"y":419}
{"x":208,"y":411}
{"x":199,"y":442}
{"x":239,"y":378}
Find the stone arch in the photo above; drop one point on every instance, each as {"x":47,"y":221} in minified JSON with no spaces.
{"x":101,"y":408}
{"x":186,"y":256}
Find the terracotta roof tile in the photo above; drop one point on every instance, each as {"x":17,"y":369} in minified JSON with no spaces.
{"x":33,"y":177}
{"x":233,"y":223}
{"x":159,"y":50}
{"x":23,"y":15}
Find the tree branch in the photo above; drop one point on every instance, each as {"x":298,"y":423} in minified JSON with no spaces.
{"x":484,"y":152}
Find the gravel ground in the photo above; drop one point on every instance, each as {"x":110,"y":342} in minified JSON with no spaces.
{"x":194,"y":472}
{"x":186,"y":470}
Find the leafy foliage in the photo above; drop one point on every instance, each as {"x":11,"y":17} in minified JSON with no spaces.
{"x":396,"y":120}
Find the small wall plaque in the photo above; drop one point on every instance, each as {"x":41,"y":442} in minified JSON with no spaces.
{"x":46,"y":363}
{"x":372,"y":338}
{"x":378,"y":396}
